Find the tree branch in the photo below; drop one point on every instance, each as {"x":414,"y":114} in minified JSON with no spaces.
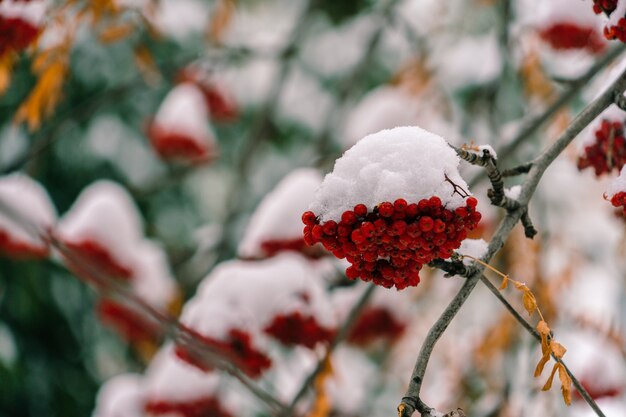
{"x":411,"y":400}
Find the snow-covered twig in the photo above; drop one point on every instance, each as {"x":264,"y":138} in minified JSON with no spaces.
{"x":411,"y":400}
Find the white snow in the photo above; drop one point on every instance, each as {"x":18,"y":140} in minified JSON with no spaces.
{"x":467,"y":61}
{"x":184,"y":111}
{"x":618,"y":184}
{"x":405,"y":162}
{"x":152,"y":279}
{"x":32,"y":12}
{"x":476,"y":248}
{"x":259,"y":290}
{"x":181,"y":19}
{"x":354,"y":376}
{"x":121,"y":396}
{"x":30,"y":201}
{"x":105,"y":213}
{"x":278,"y":216}
{"x":513,"y":192}
{"x":168,"y":378}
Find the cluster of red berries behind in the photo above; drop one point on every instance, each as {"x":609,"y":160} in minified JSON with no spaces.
{"x":619,"y":200}
{"x":389,"y":245}
{"x":608,"y":152}
{"x":237,"y":347}
{"x":16,"y":34}
{"x":607,"y":7}
{"x":567,"y":35}
{"x":604,"y":6}
{"x":206,"y":406}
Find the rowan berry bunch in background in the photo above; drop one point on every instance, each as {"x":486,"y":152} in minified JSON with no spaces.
{"x":615,"y":11}
{"x":388,"y":242}
{"x":608,"y":151}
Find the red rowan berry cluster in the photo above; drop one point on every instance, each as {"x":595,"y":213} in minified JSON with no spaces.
{"x":619,"y":200}
{"x":298,"y":329}
{"x":608,"y":152}
{"x":617,"y":29}
{"x":565,"y":35}
{"x":238,"y":347}
{"x":131,"y":325}
{"x":375,"y":323}
{"x":604,"y":6}
{"x":390,"y":244}
{"x":16,"y":34}
{"x":207,"y":406}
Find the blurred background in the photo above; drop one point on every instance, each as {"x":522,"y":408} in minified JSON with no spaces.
{"x":212,"y":124}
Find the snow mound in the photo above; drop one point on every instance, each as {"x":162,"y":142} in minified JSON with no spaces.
{"x":184,"y":111}
{"x":170,"y":379}
{"x":260,"y":290}
{"x":121,"y":396}
{"x":28,"y":199}
{"x":105,"y":213}
{"x":404,"y":162}
{"x":278,"y":216}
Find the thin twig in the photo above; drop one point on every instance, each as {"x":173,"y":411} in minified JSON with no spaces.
{"x":530,"y":329}
{"x":534,"y":123}
{"x":343,"y":332}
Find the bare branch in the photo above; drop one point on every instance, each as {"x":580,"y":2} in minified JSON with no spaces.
{"x":411,"y":401}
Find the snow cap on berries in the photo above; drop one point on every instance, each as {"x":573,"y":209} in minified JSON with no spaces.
{"x":404,"y":162}
{"x":264,"y":290}
{"x":220,"y":102}
{"x":104,"y":216}
{"x":180,"y":130}
{"x":30,"y":201}
{"x":122,"y":395}
{"x":276,"y":224}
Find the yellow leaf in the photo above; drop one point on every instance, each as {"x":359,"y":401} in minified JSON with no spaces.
{"x":566,"y":384}
{"x":528,"y":298}
{"x":116,"y":33}
{"x":44,"y":96}
{"x":6,"y":65}
{"x":548,"y":383}
{"x":322,"y":405}
{"x":505,"y":282}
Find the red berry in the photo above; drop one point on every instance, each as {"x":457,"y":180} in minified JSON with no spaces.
{"x":385,"y":209}
{"x":434,"y":201}
{"x":330,"y":227}
{"x":400,"y":205}
{"x":308,"y":218}
{"x":360,"y":210}
{"x":348,"y":217}
{"x":471,"y":202}
{"x":317,"y":232}
{"x":426,"y":224}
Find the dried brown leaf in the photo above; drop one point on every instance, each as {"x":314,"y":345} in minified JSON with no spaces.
{"x":566,"y":384}
{"x":548,"y":383}
{"x":505,"y":282}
